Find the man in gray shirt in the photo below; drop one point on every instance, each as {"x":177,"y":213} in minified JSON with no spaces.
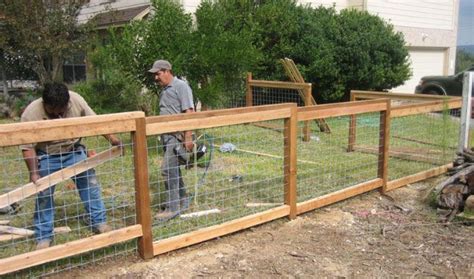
{"x":176,"y":97}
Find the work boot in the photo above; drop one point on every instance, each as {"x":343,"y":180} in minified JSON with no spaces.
{"x":166,"y":215}
{"x":101,"y":228}
{"x":44,"y":243}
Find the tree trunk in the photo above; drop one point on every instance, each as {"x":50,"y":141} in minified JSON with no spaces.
{"x":41,"y":71}
{"x":57,"y":71}
{"x":4,"y":75}
{"x":4,"y":81}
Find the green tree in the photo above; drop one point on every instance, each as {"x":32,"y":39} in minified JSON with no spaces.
{"x":223,"y":51}
{"x":335,"y":52}
{"x":464,"y":60}
{"x":165,"y":35}
{"x":369,"y":54}
{"x":42,"y":33}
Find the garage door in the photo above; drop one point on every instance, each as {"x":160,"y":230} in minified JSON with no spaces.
{"x":423,"y":63}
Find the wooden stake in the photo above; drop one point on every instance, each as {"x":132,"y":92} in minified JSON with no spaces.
{"x":47,"y":181}
{"x":295,"y":76}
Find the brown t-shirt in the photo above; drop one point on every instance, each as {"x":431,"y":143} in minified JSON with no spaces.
{"x":77,"y":107}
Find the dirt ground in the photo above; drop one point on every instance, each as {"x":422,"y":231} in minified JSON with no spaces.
{"x":363,"y":237}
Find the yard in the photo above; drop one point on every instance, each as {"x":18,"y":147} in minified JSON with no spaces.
{"x":369,"y":236}
{"x":252,"y":174}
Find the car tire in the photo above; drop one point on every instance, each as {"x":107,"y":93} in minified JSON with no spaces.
{"x":433,"y":92}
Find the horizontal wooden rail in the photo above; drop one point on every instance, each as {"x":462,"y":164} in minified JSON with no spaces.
{"x":341,"y":109}
{"x":180,"y":241}
{"x":364,"y":95}
{"x":57,"y":177}
{"x":72,"y":248}
{"x":431,"y":106}
{"x":278,"y":84}
{"x":397,"y":183}
{"x":337,"y":196}
{"x":200,"y":120}
{"x":211,"y":113}
{"x":67,"y":128}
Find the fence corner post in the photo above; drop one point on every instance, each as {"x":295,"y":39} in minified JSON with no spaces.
{"x":465,"y":110}
{"x":142,"y":194}
{"x":290,"y":162}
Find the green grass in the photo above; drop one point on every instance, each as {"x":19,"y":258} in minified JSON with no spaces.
{"x":324,"y":166}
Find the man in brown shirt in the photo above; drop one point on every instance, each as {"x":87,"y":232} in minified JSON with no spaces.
{"x":45,"y":158}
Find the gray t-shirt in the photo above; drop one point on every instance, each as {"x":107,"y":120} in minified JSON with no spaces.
{"x":176,"y":97}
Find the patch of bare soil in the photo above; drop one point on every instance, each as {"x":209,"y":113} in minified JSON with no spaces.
{"x":367,"y":236}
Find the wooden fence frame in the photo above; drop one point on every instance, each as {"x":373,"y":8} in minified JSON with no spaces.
{"x":59,"y":129}
{"x":141,"y":127}
{"x":305,"y":88}
{"x":345,"y":109}
{"x":426,"y":103}
{"x":183,"y":122}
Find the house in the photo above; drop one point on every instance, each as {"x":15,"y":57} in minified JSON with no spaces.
{"x":429,"y":27}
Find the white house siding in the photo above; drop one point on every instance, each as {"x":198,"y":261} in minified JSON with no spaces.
{"x":100,"y":6}
{"x":338,"y":4}
{"x":430,"y":30}
{"x":429,"y":14}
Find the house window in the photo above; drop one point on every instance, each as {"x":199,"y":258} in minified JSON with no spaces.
{"x":74,"y":68}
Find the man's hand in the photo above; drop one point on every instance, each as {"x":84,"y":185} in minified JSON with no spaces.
{"x":34,"y":177}
{"x":29,"y":155}
{"x":116,"y":142}
{"x":189,"y":145}
{"x":188,"y":141}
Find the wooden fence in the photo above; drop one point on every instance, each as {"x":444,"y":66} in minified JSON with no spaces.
{"x":41,"y":131}
{"x":141,"y":127}
{"x":418,"y":104}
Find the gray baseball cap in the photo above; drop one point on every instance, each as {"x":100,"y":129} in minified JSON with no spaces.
{"x":160,"y":65}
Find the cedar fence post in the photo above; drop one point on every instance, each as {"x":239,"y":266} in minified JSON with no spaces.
{"x":290,"y":163}
{"x":307,"y":102}
{"x":352,"y":128}
{"x":384,"y":141}
{"x":142,"y":195}
{"x":248,"y":94}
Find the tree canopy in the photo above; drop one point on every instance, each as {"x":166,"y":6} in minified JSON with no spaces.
{"x":41,"y":34}
{"x":336,"y":51}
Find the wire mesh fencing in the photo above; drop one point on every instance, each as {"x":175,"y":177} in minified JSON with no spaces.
{"x":324,"y":163}
{"x":235,"y":171}
{"x":85,"y":187}
{"x":247,"y":166}
{"x":424,"y":135}
{"x":329,"y":169}
{"x":421,"y":142}
{"x":268,"y":96}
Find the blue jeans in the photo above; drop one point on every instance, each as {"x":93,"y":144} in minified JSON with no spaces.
{"x":86,"y":184}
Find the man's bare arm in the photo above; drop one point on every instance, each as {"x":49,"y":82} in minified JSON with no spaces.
{"x":188,"y":135}
{"x":29,"y":155}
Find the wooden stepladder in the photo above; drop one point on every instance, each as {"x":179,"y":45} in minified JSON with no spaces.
{"x":294,"y":74}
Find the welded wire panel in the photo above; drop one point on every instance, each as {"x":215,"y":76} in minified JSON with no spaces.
{"x":423,"y":141}
{"x":324,"y":163}
{"x":111,"y":178}
{"x":269,"y":96}
{"x":242,"y":173}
